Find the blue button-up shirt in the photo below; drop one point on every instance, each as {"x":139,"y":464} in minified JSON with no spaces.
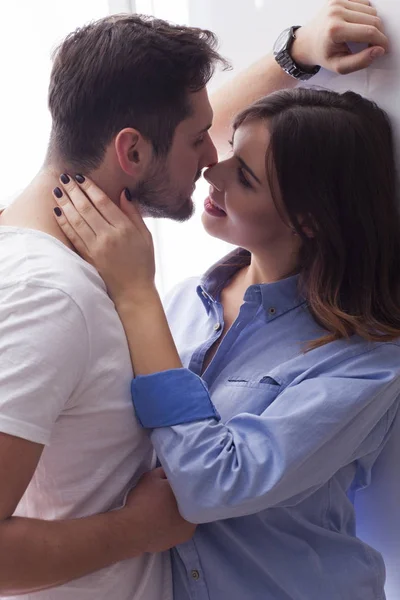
{"x":266,"y":451}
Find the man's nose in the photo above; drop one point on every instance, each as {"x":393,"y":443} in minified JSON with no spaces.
{"x":210,"y":157}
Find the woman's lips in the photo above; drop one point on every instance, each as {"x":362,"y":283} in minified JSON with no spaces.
{"x":212,"y":209}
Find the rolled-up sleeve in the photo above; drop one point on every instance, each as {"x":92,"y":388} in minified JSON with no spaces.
{"x":158,"y":399}
{"x":314,"y":427}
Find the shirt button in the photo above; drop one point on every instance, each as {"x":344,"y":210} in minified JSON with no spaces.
{"x":195,"y":574}
{"x":272,"y":310}
{"x":217,"y":327}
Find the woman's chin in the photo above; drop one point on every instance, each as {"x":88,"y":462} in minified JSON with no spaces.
{"x":213,"y":227}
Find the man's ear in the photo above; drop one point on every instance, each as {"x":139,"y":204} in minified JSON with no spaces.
{"x":133,"y":151}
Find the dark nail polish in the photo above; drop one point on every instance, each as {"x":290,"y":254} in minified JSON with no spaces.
{"x":57,"y":192}
{"x":58,"y":211}
{"x":128,"y":195}
{"x":65,"y":179}
{"x":79,"y":178}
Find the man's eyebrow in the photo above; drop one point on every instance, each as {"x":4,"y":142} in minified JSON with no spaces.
{"x":205,"y":129}
{"x":247,"y":168}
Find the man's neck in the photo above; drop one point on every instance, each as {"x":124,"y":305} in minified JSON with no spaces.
{"x":33,"y":208}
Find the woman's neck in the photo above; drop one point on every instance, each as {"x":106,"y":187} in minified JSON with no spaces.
{"x":270,"y":267}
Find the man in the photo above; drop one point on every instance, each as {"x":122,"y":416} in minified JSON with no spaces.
{"x":130,"y":108}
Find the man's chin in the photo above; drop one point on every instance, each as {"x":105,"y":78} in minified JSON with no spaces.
{"x":185,"y":212}
{"x":180,"y":214}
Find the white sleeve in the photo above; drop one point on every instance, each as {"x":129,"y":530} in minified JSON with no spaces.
{"x":44,"y":350}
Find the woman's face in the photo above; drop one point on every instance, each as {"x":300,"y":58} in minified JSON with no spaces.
{"x":239,"y":187}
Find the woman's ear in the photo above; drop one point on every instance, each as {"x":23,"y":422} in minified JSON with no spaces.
{"x":134,"y":152}
{"x":308,"y":231}
{"x":306,"y":226}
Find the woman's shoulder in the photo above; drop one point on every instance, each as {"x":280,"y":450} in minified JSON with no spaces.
{"x":348,"y":359}
{"x":349,"y":350}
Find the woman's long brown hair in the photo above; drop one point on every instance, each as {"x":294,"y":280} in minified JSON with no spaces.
{"x":331,"y":165}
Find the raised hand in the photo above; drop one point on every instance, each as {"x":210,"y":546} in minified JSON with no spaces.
{"x":323,"y":41}
{"x":114,"y":240}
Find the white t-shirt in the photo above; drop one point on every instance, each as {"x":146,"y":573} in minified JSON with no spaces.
{"x":65,"y":382}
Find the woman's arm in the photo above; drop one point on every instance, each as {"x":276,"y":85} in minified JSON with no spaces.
{"x":151,"y":345}
{"x":340,"y":416}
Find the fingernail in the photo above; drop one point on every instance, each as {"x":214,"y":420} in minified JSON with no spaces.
{"x":64,"y":178}
{"x":57,"y":192}
{"x":57,"y":211}
{"x":377,"y":52}
{"x":128,"y":195}
{"x":79,"y":178}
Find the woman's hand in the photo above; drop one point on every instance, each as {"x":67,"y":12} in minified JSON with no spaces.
{"x":119,"y":245}
{"x":115,"y":241}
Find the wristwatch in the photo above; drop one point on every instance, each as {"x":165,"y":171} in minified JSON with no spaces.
{"x":282,"y":55}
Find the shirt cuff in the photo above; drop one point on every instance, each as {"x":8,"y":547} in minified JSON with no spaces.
{"x":171,"y":398}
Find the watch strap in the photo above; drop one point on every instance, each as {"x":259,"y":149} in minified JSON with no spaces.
{"x":286,"y":62}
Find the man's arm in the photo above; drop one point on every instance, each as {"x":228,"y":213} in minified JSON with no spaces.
{"x":323,"y":41}
{"x":36,"y":554}
{"x":44,"y":348}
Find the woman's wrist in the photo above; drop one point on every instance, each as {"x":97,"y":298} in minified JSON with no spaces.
{"x":136,"y":297}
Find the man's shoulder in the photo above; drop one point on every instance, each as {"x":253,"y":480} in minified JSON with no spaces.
{"x":35,"y":259}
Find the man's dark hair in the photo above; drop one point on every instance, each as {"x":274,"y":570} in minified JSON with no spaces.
{"x":125,"y":71}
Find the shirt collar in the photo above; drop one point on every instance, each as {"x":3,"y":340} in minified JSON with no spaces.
{"x":276,"y":298}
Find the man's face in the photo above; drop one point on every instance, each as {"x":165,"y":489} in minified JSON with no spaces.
{"x":167,"y":189}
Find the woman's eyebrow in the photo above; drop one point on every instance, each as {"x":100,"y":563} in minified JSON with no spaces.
{"x":247,"y":168}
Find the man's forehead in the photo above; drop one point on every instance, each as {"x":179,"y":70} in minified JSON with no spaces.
{"x":202,"y":113}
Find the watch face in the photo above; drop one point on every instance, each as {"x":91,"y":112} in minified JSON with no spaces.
{"x":282,"y":41}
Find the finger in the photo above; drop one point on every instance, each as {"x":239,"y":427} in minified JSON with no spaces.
{"x":351,"y":16}
{"x":131,"y":210}
{"x":364,"y":34}
{"x":83,"y":205}
{"x":360,"y":6}
{"x":159,"y":473}
{"x":104,"y":205}
{"x":70,"y":232}
{"x":355,"y":62}
{"x":76,"y":222}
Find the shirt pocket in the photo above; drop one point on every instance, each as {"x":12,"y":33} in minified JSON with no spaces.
{"x":248,"y":395}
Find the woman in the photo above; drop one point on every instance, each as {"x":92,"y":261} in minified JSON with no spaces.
{"x":292,"y":378}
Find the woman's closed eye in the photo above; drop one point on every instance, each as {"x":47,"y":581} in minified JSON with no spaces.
{"x":240,"y":174}
{"x":242,"y":179}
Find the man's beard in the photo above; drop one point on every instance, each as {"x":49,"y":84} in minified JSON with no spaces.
{"x":158,"y":199}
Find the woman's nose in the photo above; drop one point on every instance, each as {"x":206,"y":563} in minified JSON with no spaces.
{"x":211,"y":175}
